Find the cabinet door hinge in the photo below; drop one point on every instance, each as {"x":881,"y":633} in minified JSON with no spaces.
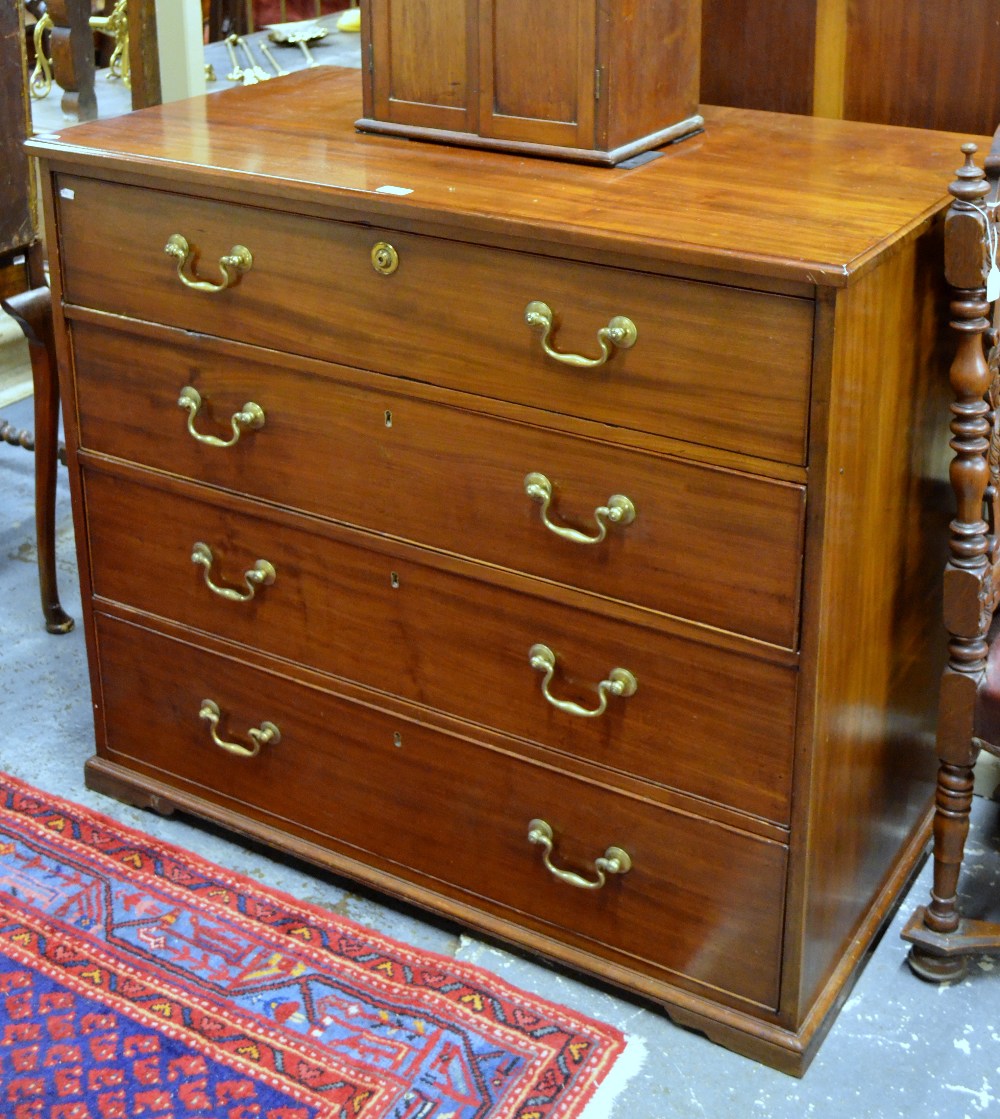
{"x":371,"y":58}
{"x":597,"y":83}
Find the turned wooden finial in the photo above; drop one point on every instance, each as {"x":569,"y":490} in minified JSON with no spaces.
{"x":970,"y":183}
{"x":965,"y":254}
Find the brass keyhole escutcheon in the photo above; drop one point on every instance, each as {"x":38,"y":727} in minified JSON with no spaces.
{"x":385,"y":259}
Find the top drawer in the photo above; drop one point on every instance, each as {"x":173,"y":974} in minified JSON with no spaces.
{"x":454,"y":314}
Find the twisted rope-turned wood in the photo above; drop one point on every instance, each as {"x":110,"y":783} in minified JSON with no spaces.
{"x":20,"y":437}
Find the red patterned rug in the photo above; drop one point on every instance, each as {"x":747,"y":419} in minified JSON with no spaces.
{"x":137,"y":979}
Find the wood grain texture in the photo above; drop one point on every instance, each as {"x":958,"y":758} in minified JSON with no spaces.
{"x":453,"y":315}
{"x":924,"y":65}
{"x":424,"y":75}
{"x":388,"y":617}
{"x":771,"y":233}
{"x":758,"y":54}
{"x":544,"y":79}
{"x":639,"y":98}
{"x":872,"y":632}
{"x":929,"y":65}
{"x":537,"y":67}
{"x":474,"y":839}
{"x":688,"y":207}
{"x":459,"y":460}
{"x":143,"y":54}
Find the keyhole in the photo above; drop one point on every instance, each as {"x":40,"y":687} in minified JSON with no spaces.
{"x":388,"y":418}
{"x":393,"y":580}
{"x":397,"y":739}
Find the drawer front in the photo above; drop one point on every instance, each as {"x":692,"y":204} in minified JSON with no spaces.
{"x":341,"y":445}
{"x":701,"y":901}
{"x":717,"y":366}
{"x":705,"y":721}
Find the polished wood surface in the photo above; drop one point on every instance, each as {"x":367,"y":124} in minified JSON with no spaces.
{"x":943,"y":937}
{"x":793,"y":727}
{"x":32,"y":311}
{"x":336,"y":589}
{"x":758,"y":54}
{"x":468,"y":462}
{"x":951,"y":44}
{"x":584,"y":80}
{"x":879,"y":503}
{"x":689,"y":207}
{"x":458,"y":814}
{"x":452,"y":316}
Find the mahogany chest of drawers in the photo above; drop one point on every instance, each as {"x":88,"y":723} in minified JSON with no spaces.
{"x":554,"y":547}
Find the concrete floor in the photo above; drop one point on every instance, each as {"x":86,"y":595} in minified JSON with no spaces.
{"x":899,"y":1048}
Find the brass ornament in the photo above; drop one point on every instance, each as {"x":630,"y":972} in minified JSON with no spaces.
{"x":620,"y":683}
{"x":262,"y":574}
{"x":238,"y":260}
{"x":620,"y":333}
{"x":385,"y":259}
{"x":618,"y":511}
{"x":267,"y":733}
{"x":249,"y":418}
{"x":615,"y":860}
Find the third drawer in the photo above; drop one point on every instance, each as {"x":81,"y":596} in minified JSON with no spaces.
{"x":706,"y":720}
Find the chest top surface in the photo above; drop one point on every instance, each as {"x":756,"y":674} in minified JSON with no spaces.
{"x":799,"y":198}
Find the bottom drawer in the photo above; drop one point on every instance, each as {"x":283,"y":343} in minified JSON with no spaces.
{"x":701,"y":900}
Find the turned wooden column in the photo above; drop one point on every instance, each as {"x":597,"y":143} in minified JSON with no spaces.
{"x":72,"y":45}
{"x":969,"y":592}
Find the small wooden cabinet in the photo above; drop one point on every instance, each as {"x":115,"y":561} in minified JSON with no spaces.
{"x":367,"y":456}
{"x":590,"y":80}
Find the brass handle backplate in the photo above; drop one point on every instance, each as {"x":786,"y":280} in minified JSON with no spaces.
{"x":618,"y":511}
{"x":259,"y":736}
{"x":620,"y":333}
{"x":613,"y":861}
{"x":262,"y":574}
{"x":620,"y":682}
{"x":237,"y":261}
{"x":250,"y":418}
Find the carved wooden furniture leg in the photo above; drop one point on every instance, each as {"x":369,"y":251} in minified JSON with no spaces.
{"x":33,"y":312}
{"x":72,"y":46}
{"x":942,"y":939}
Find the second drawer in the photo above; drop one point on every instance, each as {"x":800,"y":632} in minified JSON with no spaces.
{"x":704,"y":720}
{"x":715,"y":546}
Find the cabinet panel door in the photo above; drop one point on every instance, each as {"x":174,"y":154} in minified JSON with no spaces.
{"x":422,"y":51}
{"x":537,"y":71}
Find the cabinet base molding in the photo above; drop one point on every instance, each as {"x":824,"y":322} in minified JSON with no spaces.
{"x":676,"y":132}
